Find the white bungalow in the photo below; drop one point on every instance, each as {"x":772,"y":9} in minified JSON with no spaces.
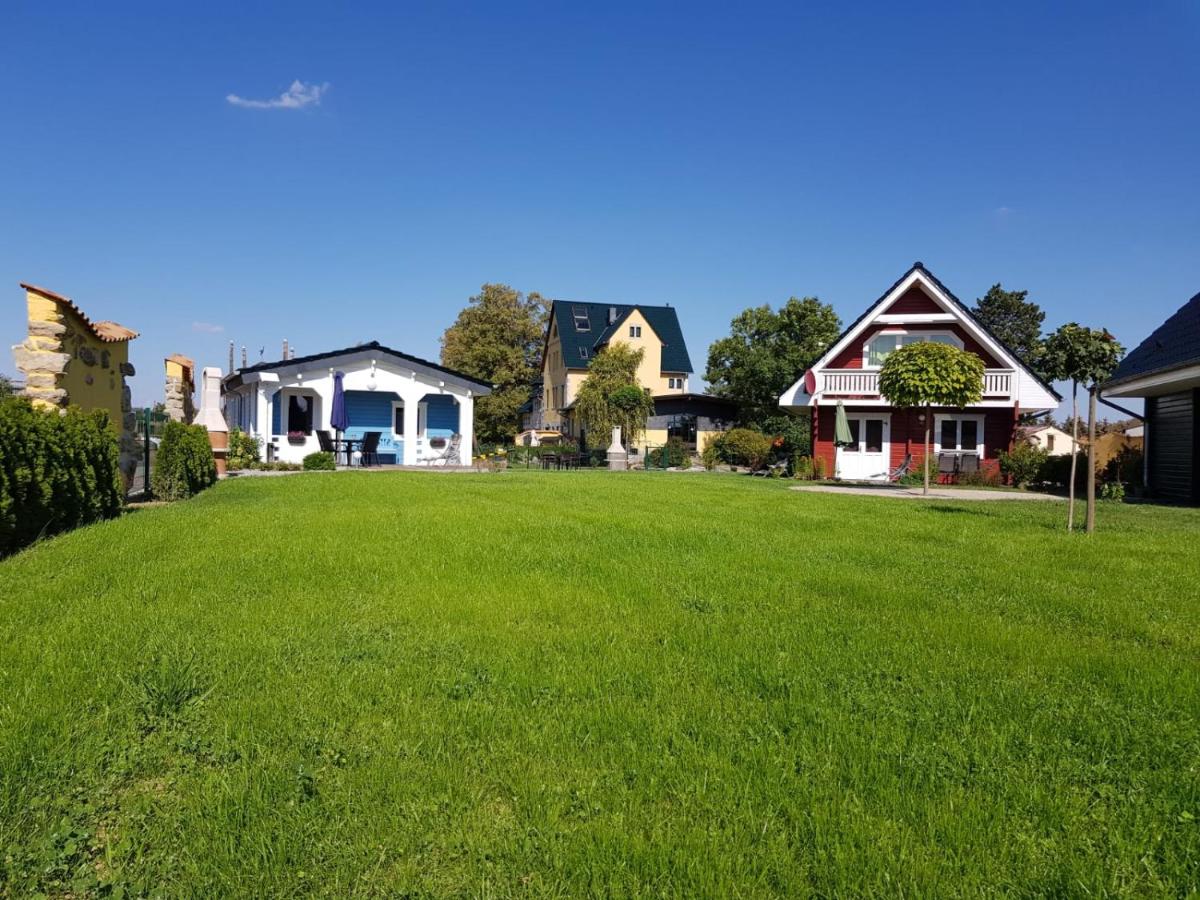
{"x":416,"y":406}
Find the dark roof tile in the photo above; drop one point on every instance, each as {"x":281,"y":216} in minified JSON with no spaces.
{"x":1175,"y":343}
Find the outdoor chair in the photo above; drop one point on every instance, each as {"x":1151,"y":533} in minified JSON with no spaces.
{"x":774,"y":468}
{"x":369,"y":455}
{"x":326,"y":443}
{"x":967,"y":463}
{"x":450,"y":454}
{"x":901,"y":470}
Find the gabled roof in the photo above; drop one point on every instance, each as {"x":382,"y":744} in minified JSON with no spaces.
{"x":961,"y":309}
{"x":1175,"y":343}
{"x":372,"y":347}
{"x":109,"y":332}
{"x":663,"y":319}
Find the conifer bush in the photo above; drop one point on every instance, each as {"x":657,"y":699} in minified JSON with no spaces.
{"x":58,"y":470}
{"x":184,"y":465}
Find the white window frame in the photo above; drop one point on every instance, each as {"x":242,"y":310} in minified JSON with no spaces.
{"x":635,"y":331}
{"x":924,"y":333}
{"x":958,"y":417}
{"x":422,"y":418}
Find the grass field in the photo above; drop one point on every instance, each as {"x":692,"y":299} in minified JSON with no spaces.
{"x":581,"y":683}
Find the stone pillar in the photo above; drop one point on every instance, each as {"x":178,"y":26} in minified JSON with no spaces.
{"x":211,"y":416}
{"x":179,"y":388}
{"x":618,"y":459}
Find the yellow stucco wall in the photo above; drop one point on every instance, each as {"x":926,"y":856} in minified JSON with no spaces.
{"x":65,"y":362}
{"x":95,"y":386}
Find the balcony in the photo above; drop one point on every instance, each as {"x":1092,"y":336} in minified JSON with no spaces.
{"x":862,"y":384}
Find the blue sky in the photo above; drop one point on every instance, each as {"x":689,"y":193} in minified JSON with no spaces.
{"x":707,"y":157}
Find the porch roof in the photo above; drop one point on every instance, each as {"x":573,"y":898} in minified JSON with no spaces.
{"x":364,"y":352}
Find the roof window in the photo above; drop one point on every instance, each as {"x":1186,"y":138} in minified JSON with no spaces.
{"x":581,"y":318}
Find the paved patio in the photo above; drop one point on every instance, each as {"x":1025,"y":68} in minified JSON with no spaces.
{"x":935,"y":493}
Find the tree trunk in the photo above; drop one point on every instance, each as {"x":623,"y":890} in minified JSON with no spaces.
{"x":1074,"y":455}
{"x":1091,"y":475}
{"x":928,"y":419}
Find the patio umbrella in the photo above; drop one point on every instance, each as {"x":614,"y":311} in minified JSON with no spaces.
{"x":338,"y":420}
{"x":841,"y":431}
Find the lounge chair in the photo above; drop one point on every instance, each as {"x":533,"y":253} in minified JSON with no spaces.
{"x":450,"y":454}
{"x":901,"y":470}
{"x":369,"y":455}
{"x":779,"y":467}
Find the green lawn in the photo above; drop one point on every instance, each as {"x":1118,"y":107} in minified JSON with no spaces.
{"x":575,"y":683}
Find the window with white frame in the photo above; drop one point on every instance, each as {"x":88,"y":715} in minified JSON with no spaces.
{"x":675,"y":384}
{"x":878,"y":348}
{"x":580,"y":315}
{"x":635,"y":331}
{"x":959,"y":434}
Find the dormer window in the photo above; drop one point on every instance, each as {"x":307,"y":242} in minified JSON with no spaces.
{"x":579,"y":313}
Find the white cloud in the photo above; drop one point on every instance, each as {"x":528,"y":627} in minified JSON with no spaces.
{"x":207,"y":328}
{"x":298,"y":96}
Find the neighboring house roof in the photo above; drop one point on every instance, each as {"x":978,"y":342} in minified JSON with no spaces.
{"x":182,"y":360}
{"x":968,"y":317}
{"x":109,"y":332}
{"x":663,"y":319}
{"x":1174,"y":344}
{"x":362,"y":350}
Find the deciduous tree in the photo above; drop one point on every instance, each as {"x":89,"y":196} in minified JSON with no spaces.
{"x":765,"y":352}
{"x":610,"y":395}
{"x":1082,"y":356}
{"x":498,"y":338}
{"x":930,"y":374}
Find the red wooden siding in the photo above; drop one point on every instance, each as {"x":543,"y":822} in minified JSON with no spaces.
{"x":908,"y":434}
{"x":851,"y":357}
{"x":913,"y":301}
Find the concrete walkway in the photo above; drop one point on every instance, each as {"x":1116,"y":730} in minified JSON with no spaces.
{"x":935,"y":493}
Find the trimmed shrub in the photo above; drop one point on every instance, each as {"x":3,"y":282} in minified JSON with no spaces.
{"x":184,"y":465}
{"x":677,"y":455}
{"x":57,"y":471}
{"x":1023,"y":464}
{"x":321,"y":461}
{"x":244,"y":451}
{"x":1112,"y":491}
{"x":744,"y":446}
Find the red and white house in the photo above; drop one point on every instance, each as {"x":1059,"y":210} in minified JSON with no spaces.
{"x":918,"y":307}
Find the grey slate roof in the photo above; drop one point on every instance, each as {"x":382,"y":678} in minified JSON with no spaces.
{"x":1175,"y":343}
{"x":662,"y":319}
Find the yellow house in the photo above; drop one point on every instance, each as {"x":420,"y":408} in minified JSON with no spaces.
{"x":69,"y":359}
{"x":576,"y":332}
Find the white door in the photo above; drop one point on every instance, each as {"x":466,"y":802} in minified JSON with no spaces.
{"x":868,"y":458}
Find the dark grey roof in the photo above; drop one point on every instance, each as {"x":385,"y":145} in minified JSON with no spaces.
{"x":1175,"y":343}
{"x":662,"y":319}
{"x":371,"y":346}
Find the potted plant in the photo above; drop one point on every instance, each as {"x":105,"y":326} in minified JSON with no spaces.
{"x":297,"y":437}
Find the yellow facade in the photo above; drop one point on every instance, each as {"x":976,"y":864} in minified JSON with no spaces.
{"x":561,"y":382}
{"x":68,"y":359}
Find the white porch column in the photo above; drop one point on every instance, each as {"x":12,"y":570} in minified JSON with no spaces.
{"x":466,"y":427}
{"x":410,"y":428}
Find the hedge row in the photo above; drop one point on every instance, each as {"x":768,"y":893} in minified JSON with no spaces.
{"x":184,"y":464}
{"x":57,"y":471}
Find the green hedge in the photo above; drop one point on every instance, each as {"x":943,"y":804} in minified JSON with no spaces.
{"x":57,"y":471}
{"x":321,"y":461}
{"x":184,"y":465}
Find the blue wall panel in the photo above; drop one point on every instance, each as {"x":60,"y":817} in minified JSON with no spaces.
{"x":372,"y":411}
{"x":441,"y":415}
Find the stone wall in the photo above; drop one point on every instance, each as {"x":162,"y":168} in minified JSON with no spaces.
{"x":179,"y":390}
{"x":68,"y":359}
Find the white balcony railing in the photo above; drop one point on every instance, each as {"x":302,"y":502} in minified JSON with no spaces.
{"x":997,"y":383}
